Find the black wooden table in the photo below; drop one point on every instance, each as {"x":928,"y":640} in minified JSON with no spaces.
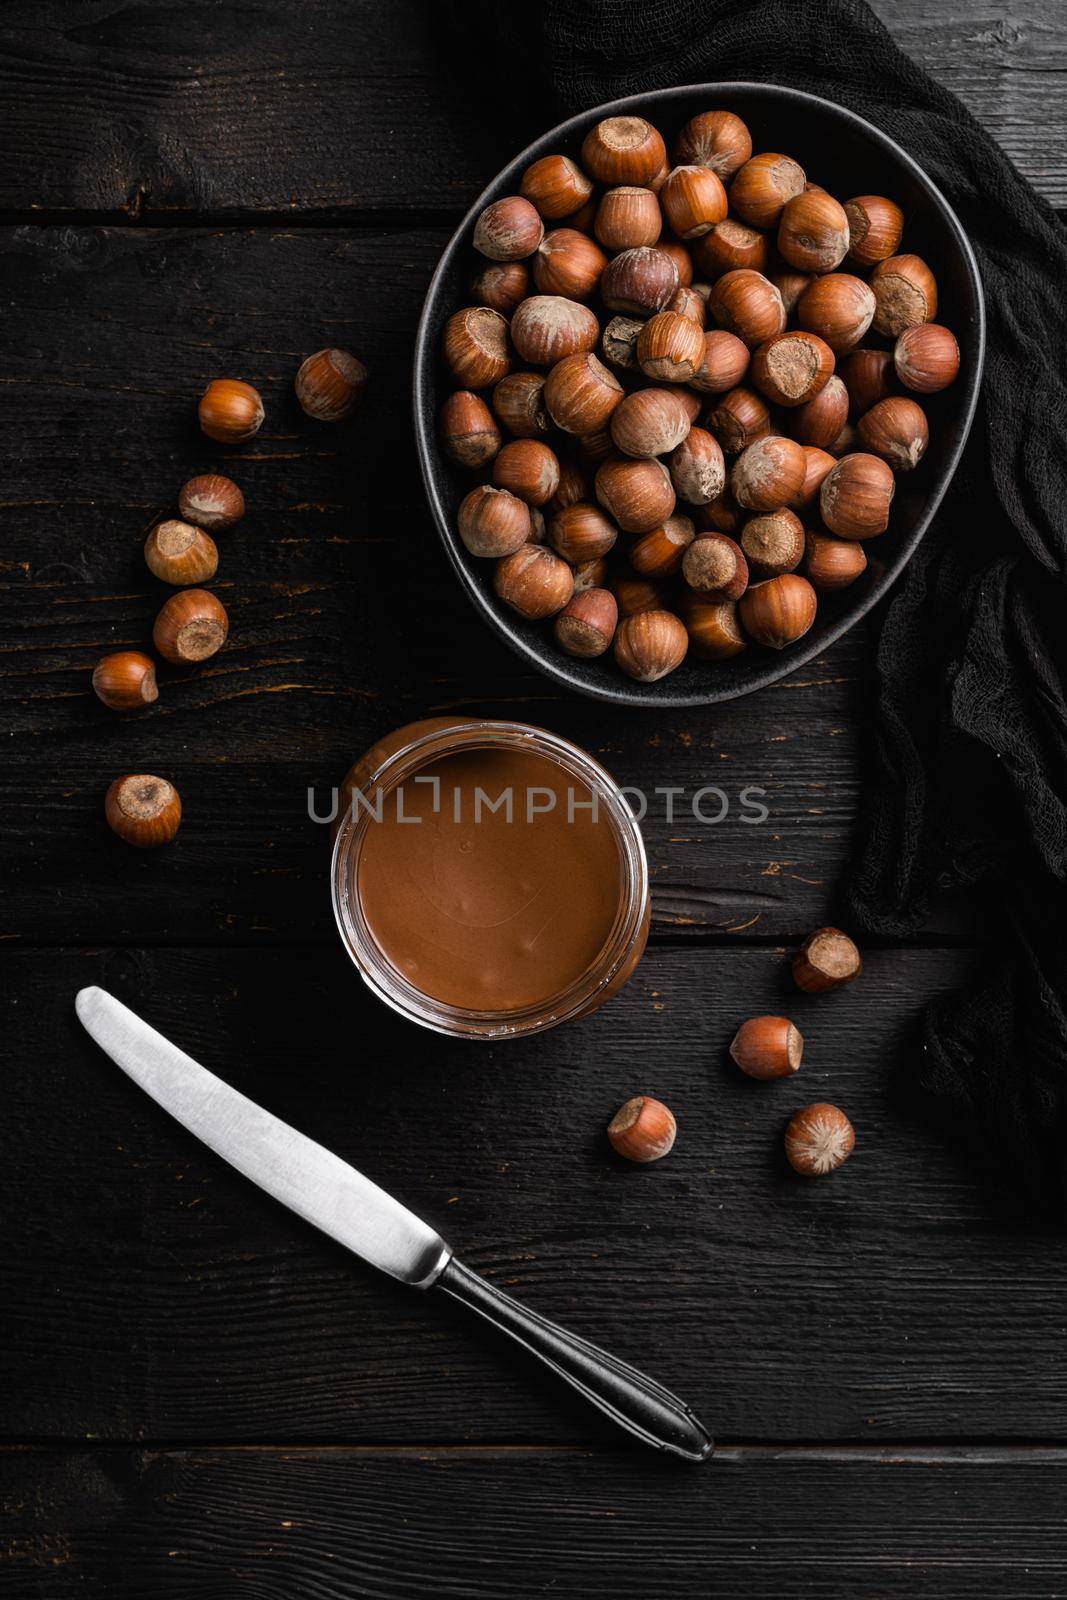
{"x":201,"y":1397}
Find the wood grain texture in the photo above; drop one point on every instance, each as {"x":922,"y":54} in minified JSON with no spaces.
{"x":153,"y":1294}
{"x":158,"y":110}
{"x":492,"y":1525}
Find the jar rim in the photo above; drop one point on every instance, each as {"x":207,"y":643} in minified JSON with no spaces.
{"x":379,"y":974}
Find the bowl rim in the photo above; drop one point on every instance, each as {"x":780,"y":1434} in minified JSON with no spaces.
{"x":530,"y":647}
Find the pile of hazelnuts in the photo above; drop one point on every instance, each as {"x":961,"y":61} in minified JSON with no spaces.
{"x":686,"y":390}
{"x":192,"y":625}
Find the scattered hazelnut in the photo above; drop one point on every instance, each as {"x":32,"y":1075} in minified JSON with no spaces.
{"x":714,"y":567}
{"x":767,"y":1047}
{"x":125,"y":681}
{"x":639,"y":282}
{"x":534,"y":582}
{"x":831,"y":563}
{"x":855,"y":497}
{"x":817,"y":463}
{"x":475,"y":344}
{"x":623,"y":150}
{"x":746,"y":303}
{"x":469,"y":434}
{"x":628,"y":217}
{"x":905,"y":294}
{"x":590,"y":575}
{"x":180,"y":554}
{"x":650,"y":645}
{"x":813,"y":232}
{"x":791,"y":368}
{"x":827,"y":959}
{"x":659,"y":554}
{"x":642,"y":1130}
{"x":697,"y":468}
{"x":191,"y":626}
{"x":493,"y":522}
{"x":529,"y":469}
{"x":773,"y":543}
{"x":839,"y":308}
{"x":721,"y":515}
{"x":926,"y":358}
{"x":819,"y":420}
{"x":548,"y":327}
{"x":762,"y":187}
{"x":875,"y":225}
{"x":712,"y":626}
{"x":508,"y":230}
{"x":635,"y":595}
{"x":670,"y":347}
{"x":568,"y":263}
{"x":681,"y":258}
{"x":143,"y":811}
{"x":557,"y":186}
{"x":230,"y":411}
{"x":738,"y":420}
{"x":649,"y":422}
{"x":690,"y":303}
{"x":581,"y":532}
{"x":868,"y":377}
{"x":724,"y":364}
{"x":791,"y":285}
{"x":637,"y":494}
{"x":846,"y":443}
{"x":818,"y":1139}
{"x":731,"y":246}
{"x":501,"y":285}
{"x":768,"y":474}
{"x":618,"y":343}
{"x":581,"y":393}
{"x":212,"y":502}
{"x":573,"y":486}
{"x":715,"y":139}
{"x":519,"y":402}
{"x":693,"y":201}
{"x":329,"y":385}
{"x":779,"y":611}
{"x":896,"y":430}
{"x":586,"y":625}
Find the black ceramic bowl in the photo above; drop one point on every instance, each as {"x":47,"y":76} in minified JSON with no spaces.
{"x":847,"y":155}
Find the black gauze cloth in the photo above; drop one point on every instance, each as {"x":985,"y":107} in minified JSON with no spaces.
{"x":968,"y":767}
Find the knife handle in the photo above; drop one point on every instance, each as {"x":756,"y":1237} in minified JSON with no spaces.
{"x":636,"y":1402}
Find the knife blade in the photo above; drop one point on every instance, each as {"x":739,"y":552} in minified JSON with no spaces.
{"x":352,"y":1209}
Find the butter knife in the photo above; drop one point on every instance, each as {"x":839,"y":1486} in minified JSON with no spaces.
{"x":334,"y":1197}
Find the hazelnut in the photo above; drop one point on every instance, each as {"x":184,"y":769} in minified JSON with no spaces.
{"x":820,"y":419}
{"x":623,"y":150}
{"x":738,"y":420}
{"x":191,"y":626}
{"x":642,"y":1130}
{"x":791,"y":368}
{"x":905,"y":295}
{"x":595,"y":447}
{"x":831,"y":563}
{"x":748,"y":304}
{"x":628,"y":217}
{"x":762,"y":187}
{"x":469,"y":435}
{"x":548,"y":327}
{"x":640,"y":282}
{"x":818,"y":1139}
{"x":519,"y":402}
{"x":715,"y":139}
{"x":715,"y":568}
{"x":581,"y":394}
{"x":573,"y":486}
{"x":635,"y":595}
{"x":813,"y":232}
{"x":778,"y":611}
{"x":584,"y":219}
{"x":855,"y":497}
{"x":144,"y":811}
{"x":590,"y":575}
{"x":693,"y":201}
{"x":875,"y":225}
{"x":839,"y":308}
{"x":926,"y":358}
{"x":475,"y":344}
{"x":724,"y":364}
{"x":649,"y":422}
{"x":529,"y":469}
{"x":230,"y":411}
{"x":125,"y":681}
{"x":329,"y":385}
{"x":212,"y":502}
{"x":650,"y":645}
{"x":670,"y":347}
{"x":729,"y":247}
{"x":712,"y":626}
{"x":721,"y":515}
{"x":586,"y":625}
{"x":681,"y":258}
{"x":618,"y":343}
{"x":659,"y":554}
{"x":768,"y":474}
{"x":896,"y":430}
{"x":534,"y":582}
{"x":493,"y":522}
{"x":501,"y":285}
{"x":847,"y":441}
{"x":581,"y":533}
{"x":508,"y":230}
{"x":697,"y":468}
{"x":538,"y":526}
{"x":568,"y":263}
{"x":827,"y":959}
{"x":791,"y":285}
{"x":868,"y":377}
{"x":773,"y":543}
{"x":767,"y":1047}
{"x":557,"y":186}
{"x":817,"y":463}
{"x":180,"y":554}
{"x":690,"y":303}
{"x":637,"y":495}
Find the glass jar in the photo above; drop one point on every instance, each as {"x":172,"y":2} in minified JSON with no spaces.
{"x":398,"y":760}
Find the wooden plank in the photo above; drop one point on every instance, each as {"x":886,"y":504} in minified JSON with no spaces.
{"x":491,"y":1525}
{"x":152,"y":1294}
{"x":190,"y":110}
